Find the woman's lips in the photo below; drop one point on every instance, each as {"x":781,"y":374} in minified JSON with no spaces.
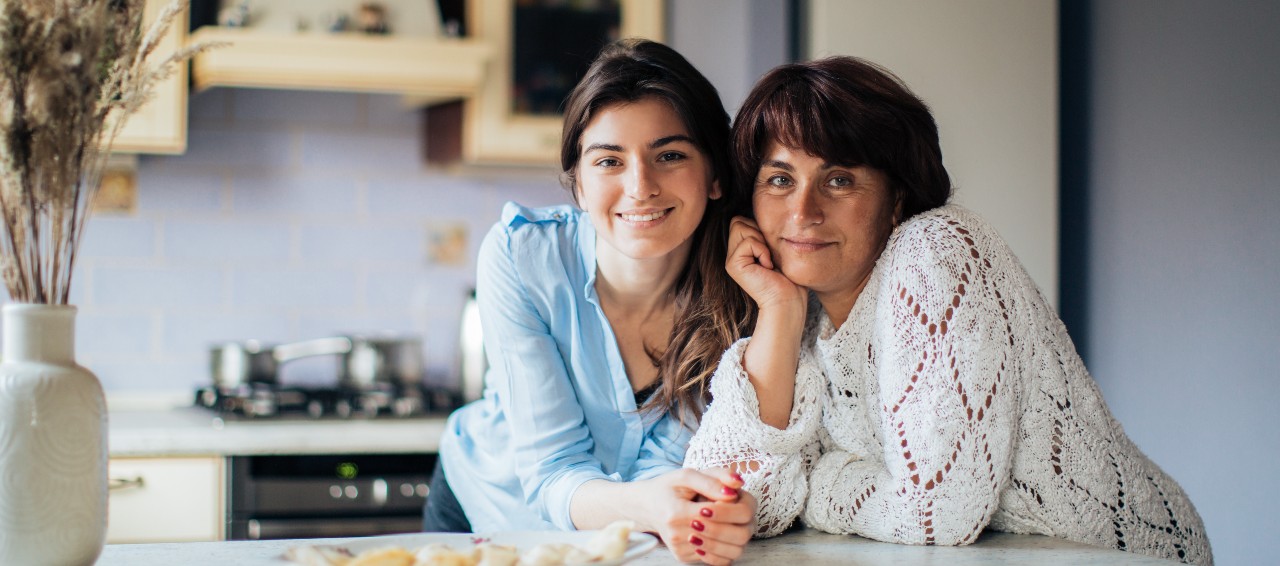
{"x":807,"y":244}
{"x":644,"y":218}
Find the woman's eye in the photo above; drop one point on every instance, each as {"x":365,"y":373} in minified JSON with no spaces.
{"x":608,"y":162}
{"x":840,"y":181}
{"x":671,"y":156}
{"x":778,"y":181}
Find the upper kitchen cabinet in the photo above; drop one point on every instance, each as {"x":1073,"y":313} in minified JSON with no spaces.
{"x":160,"y":126}
{"x":543,"y":47}
{"x":313,"y":45}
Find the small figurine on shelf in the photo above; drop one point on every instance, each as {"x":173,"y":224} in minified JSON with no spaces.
{"x":372,"y":18}
{"x":334,"y":21}
{"x":235,"y":15}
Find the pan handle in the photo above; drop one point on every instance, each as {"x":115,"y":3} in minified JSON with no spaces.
{"x":318,"y":347}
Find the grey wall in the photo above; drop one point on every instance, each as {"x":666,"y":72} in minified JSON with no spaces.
{"x":733,"y":42}
{"x":1171,"y":232}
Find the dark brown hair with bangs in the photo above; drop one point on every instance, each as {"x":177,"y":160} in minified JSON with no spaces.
{"x":850,"y":112}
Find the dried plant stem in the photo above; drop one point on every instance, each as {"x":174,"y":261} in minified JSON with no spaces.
{"x":71,"y":73}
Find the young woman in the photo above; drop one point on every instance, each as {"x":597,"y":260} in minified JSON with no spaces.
{"x":600,"y":349}
{"x":929,"y":392}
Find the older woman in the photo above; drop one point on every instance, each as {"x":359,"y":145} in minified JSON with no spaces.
{"x":929,"y":391}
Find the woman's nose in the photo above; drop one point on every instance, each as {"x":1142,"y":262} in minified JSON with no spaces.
{"x":640,"y":183}
{"x":805,"y":208}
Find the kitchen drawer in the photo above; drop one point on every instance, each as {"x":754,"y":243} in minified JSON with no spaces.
{"x":165,"y":500}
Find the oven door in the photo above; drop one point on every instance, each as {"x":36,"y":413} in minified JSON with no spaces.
{"x":312,"y":496}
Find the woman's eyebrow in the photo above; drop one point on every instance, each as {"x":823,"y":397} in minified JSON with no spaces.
{"x":602,"y":146}
{"x":778,"y":165}
{"x":669,"y":140}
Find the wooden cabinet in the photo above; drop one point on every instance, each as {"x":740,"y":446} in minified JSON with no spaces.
{"x":166,"y":499}
{"x":495,"y":127}
{"x":426,"y":68}
{"x":160,"y":126}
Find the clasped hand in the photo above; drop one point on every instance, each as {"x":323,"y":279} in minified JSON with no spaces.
{"x":702,"y":515}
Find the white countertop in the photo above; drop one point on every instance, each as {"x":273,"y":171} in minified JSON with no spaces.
{"x":808,"y":547}
{"x":195,"y":431}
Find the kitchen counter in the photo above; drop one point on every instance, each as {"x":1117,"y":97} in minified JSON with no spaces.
{"x":810,"y":547}
{"x":195,"y":431}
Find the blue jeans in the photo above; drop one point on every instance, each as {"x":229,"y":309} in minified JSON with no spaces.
{"x":442,"y":513}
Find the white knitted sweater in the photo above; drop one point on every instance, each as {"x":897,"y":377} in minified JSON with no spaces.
{"x":950,"y":400}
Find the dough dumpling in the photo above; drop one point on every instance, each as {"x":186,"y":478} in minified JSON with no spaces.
{"x":612,"y":541}
{"x":546,"y":554}
{"x":383,"y":557}
{"x":489,"y":554}
{"x":438,"y":554}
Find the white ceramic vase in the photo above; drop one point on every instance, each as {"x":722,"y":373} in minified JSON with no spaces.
{"x":53,"y":443}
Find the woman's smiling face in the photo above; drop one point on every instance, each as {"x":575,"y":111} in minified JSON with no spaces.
{"x":642,"y":179}
{"x":825,"y":223}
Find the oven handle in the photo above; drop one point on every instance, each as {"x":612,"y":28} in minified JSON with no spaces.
{"x":272,"y":529}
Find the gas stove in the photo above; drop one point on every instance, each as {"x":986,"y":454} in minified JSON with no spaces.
{"x":269,"y":401}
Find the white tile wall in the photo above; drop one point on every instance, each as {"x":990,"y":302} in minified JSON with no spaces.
{"x":293,"y":215}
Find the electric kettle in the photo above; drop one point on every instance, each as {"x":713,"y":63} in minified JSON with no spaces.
{"x":473,"y":364}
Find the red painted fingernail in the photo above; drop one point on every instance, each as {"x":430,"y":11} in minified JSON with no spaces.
{"x":730,"y":491}
{"x":705,"y":512}
{"x":694,"y":540}
{"x":737,"y":477}
{"x":697,"y":525}
{"x":700,"y":552}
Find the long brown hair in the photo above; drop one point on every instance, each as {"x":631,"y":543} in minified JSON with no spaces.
{"x":626,"y":71}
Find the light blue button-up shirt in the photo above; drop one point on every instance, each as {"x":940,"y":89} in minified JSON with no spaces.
{"x":558,"y":409}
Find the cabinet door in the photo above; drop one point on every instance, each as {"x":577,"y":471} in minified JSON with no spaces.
{"x":160,"y":126}
{"x":165,"y":500}
{"x":511,"y":120}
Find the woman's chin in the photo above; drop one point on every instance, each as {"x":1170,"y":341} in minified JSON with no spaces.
{"x":811,"y":277}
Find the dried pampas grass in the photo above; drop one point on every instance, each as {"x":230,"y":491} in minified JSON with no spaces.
{"x":71,"y":72}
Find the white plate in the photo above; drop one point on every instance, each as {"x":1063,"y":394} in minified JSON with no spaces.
{"x":639,"y":543}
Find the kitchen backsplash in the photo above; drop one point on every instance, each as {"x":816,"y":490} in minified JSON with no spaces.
{"x":292,"y":215}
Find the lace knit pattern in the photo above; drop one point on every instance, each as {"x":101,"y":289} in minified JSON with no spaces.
{"x":949,"y":401}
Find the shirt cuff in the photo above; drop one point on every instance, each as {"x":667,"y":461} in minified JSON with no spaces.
{"x":558,"y":495}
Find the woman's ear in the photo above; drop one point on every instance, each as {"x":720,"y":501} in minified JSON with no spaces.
{"x":715,"y":190}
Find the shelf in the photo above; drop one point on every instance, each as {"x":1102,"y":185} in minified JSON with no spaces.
{"x":428,"y":70}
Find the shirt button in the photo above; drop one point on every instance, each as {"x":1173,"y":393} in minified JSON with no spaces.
{"x":557,"y":215}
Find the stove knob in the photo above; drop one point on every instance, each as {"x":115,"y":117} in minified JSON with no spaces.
{"x":351,"y":491}
{"x":342,"y":408}
{"x":406,"y":489}
{"x":422,"y":490}
{"x":315,"y":409}
{"x":369,"y":406}
{"x":335,"y":491}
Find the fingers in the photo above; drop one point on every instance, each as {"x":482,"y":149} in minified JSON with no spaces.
{"x":741,"y":511}
{"x":725,"y":476}
{"x":711,"y":551}
{"x":719,"y":540}
{"x":747,"y":250}
{"x":709,"y":485}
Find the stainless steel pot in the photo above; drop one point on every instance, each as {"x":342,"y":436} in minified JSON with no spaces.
{"x":364,"y":362}
{"x":237,"y":364}
{"x":372,"y":361}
